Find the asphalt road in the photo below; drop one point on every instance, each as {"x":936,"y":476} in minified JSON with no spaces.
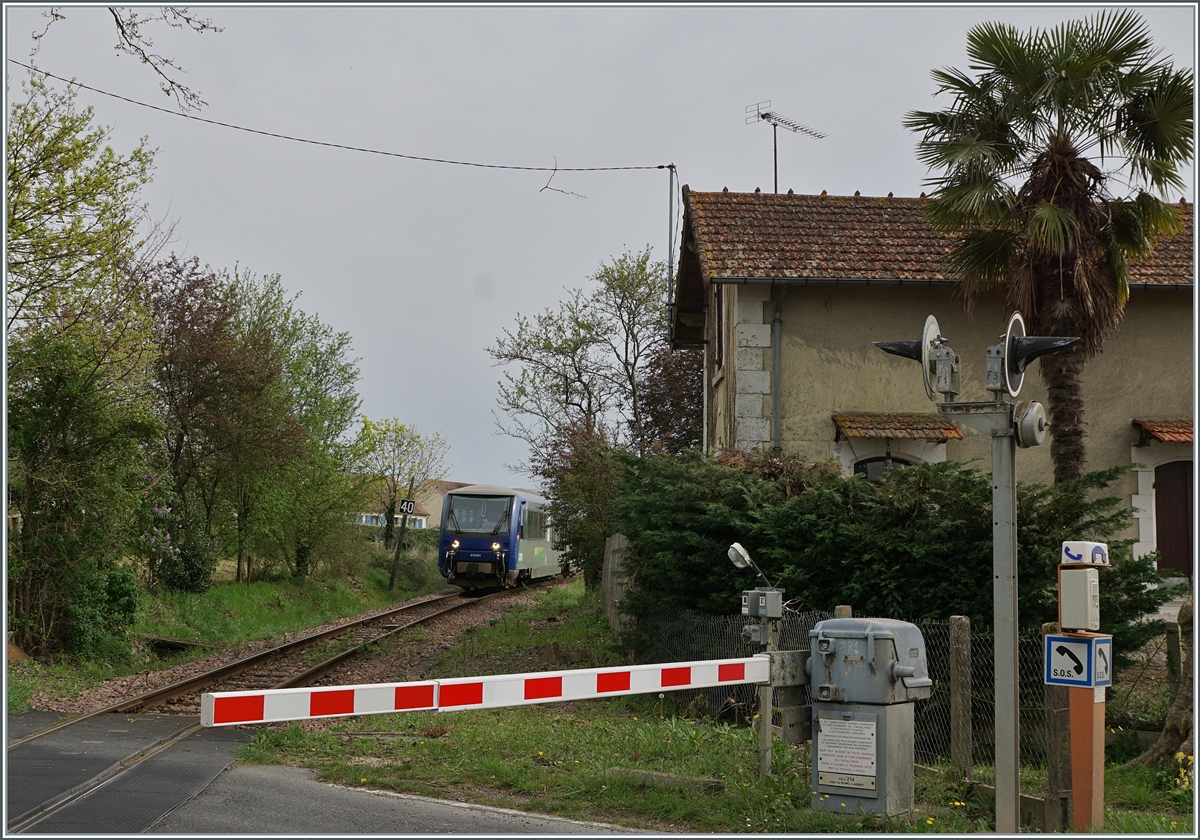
{"x":287,"y":800}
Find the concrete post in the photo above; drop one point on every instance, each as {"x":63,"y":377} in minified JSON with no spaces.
{"x":843,"y":611}
{"x":960,"y":697}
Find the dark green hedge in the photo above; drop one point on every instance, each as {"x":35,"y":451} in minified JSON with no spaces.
{"x":916,"y":545}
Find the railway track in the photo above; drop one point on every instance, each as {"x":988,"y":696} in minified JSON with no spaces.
{"x":301,"y":662}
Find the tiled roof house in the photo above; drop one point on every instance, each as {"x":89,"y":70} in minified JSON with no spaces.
{"x":793,"y":289}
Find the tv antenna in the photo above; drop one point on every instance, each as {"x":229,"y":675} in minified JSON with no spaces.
{"x":760,"y":112}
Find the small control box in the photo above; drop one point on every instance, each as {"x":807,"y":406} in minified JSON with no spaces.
{"x":764,"y":603}
{"x":1079,"y":598}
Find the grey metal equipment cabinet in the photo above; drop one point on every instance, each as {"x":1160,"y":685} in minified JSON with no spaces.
{"x":865,"y":674}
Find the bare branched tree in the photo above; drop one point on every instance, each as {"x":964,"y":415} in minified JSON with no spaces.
{"x":134,"y":39}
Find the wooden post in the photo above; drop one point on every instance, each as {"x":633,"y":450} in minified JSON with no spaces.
{"x":1174,"y":657}
{"x":960,"y":696}
{"x":766,"y":703}
{"x":1087,"y":758}
{"x":1058,"y":750}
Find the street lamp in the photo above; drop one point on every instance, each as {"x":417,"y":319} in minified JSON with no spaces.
{"x":741,"y":558}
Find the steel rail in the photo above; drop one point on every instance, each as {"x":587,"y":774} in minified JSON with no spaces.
{"x":175,"y":689}
{"x":332,"y":662}
{"x":30,"y":818}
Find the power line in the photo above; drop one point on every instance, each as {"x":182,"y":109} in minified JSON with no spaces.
{"x":340,"y":145}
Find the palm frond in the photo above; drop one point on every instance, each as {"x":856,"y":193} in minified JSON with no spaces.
{"x":1051,"y":228}
{"x":983,"y":259}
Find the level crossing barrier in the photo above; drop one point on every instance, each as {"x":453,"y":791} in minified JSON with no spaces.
{"x":229,"y":708}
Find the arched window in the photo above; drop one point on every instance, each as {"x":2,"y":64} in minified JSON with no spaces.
{"x":873,"y":468}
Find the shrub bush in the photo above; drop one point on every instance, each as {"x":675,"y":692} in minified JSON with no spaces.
{"x":915,"y":545}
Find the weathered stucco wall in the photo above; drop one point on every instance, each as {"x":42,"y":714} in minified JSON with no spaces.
{"x":830,"y":366}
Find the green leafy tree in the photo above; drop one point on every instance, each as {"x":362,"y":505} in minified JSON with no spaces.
{"x":587,"y":360}
{"x":76,"y":473}
{"x":1050,"y":155}
{"x":403,"y":460}
{"x":398,"y":457}
{"x":318,"y":491}
{"x":581,"y":479}
{"x":594,"y":376}
{"x":75,"y":220}
{"x":79,"y":413}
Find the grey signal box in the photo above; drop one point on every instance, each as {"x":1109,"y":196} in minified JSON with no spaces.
{"x":765,"y":603}
{"x":864,"y":675}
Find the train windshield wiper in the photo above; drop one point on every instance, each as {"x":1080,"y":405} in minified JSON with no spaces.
{"x":454,"y":520}
{"x":503,"y":521}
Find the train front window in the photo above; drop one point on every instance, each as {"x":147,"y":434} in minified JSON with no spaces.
{"x":479,"y":515}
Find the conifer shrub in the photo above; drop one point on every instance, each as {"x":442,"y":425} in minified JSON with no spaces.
{"x":915,"y":545}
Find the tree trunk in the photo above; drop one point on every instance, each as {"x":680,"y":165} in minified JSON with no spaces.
{"x":1176,"y":736}
{"x":1062,"y":373}
{"x":389,"y":523}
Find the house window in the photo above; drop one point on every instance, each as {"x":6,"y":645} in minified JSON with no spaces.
{"x":873,"y":468}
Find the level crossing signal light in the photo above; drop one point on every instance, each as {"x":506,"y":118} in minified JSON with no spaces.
{"x":1009,"y":426}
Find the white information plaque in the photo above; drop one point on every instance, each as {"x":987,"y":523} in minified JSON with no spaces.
{"x":846,"y":747}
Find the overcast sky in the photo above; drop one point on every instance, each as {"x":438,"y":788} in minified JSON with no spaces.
{"x":423,"y":263}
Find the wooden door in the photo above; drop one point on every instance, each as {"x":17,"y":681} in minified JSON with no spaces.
{"x":1173,"y":516}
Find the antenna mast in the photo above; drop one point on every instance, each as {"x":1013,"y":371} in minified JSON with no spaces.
{"x":776,"y":120}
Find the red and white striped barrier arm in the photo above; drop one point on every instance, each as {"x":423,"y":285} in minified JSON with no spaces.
{"x":228,"y":708}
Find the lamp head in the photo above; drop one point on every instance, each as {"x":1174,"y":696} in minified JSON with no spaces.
{"x":739,"y":556}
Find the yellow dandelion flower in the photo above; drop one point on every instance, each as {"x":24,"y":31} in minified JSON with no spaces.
{"x":635,"y":717}
{"x":362,"y":780}
{"x":929,"y":821}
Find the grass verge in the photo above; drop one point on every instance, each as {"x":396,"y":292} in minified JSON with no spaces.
{"x":225,"y":615}
{"x":572,"y":759}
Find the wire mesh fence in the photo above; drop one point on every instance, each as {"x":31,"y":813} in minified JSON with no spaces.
{"x":678,"y":635}
{"x":933,"y":716}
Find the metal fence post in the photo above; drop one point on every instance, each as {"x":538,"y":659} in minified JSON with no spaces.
{"x":960,"y":696}
{"x":1058,"y":750}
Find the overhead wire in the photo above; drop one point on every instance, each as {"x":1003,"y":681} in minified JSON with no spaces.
{"x":672,"y":174}
{"x":555,"y":168}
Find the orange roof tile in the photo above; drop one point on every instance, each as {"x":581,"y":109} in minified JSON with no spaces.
{"x":1167,"y":431}
{"x":823,"y":238}
{"x":932,"y":427}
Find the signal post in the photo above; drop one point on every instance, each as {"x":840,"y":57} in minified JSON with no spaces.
{"x":1081,"y":659}
{"x":1009,"y":425}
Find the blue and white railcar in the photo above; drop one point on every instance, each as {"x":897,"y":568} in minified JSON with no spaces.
{"x":496,"y":537}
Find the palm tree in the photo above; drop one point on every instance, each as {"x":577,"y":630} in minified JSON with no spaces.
{"x":1032,"y":153}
